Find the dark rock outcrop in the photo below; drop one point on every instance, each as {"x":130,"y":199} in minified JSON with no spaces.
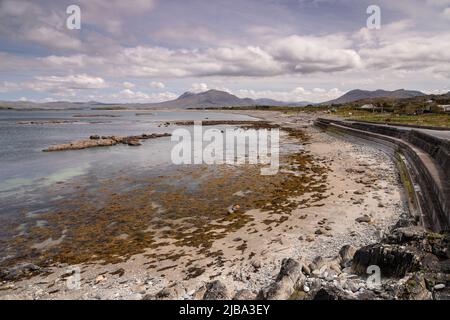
{"x":216,"y":290}
{"x":346,"y":254}
{"x":19,"y":271}
{"x":244,"y":294}
{"x":104,"y":141}
{"x":393,"y":260}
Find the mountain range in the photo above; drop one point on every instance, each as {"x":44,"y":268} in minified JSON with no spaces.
{"x":217,"y":98}
{"x":357,"y":94}
{"x":207,"y":99}
{"x":213,"y":99}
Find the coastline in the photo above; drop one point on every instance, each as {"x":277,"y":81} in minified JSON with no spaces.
{"x":362,"y":181}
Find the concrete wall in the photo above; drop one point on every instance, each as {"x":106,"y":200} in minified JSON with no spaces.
{"x":428,"y":158}
{"x":439,"y":149}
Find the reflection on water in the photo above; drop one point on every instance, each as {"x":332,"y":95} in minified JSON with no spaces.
{"x":25,"y":166}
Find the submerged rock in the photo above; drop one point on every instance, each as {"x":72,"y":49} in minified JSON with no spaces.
{"x":104,"y":141}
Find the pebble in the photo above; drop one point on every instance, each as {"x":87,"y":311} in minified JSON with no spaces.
{"x":439,"y":286}
{"x":99,"y":279}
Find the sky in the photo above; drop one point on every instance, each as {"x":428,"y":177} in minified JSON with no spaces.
{"x":154,"y":50}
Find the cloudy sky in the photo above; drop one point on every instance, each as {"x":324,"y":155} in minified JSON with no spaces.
{"x":154,"y":50}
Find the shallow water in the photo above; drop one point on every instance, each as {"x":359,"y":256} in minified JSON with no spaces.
{"x":23,"y":163}
{"x":112,"y":202}
{"x":25,"y":169}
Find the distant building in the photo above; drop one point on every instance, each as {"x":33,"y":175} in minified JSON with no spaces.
{"x":369,"y":107}
{"x":445,"y":107}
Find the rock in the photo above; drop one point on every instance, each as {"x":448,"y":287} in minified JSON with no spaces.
{"x":330,"y":292}
{"x":82,"y":144}
{"x":444,"y":266}
{"x":443,"y":294}
{"x":18,"y":271}
{"x":406,"y":234}
{"x":364,"y":218}
{"x":413,"y":289}
{"x":439,"y":286}
{"x":256,"y":264}
{"x":305,"y":269}
{"x":289,"y":278}
{"x":104,"y":141}
{"x":317,"y":263}
{"x":173,"y":292}
{"x":393,"y":260}
{"x":346,"y":253}
{"x":232,"y":209}
{"x":133,"y":143}
{"x":320,"y":231}
{"x":199,"y":293}
{"x":289,"y":268}
{"x":100,"y":278}
{"x":244,"y":294}
{"x":216,"y":290}
{"x":431,"y":263}
{"x":310,"y":238}
{"x":306,"y":288}
{"x":280,"y":290}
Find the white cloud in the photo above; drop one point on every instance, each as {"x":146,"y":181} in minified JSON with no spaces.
{"x":27,"y":21}
{"x":157,"y":85}
{"x":446,"y":13}
{"x":198,"y":87}
{"x":128,"y":85}
{"x":315,"y":54}
{"x":78,"y":81}
{"x":131,"y":96}
{"x":292,"y":55}
{"x":56,"y":85}
{"x":298,"y":94}
{"x":111,"y":14}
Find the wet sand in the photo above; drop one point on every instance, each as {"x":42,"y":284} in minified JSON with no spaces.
{"x":360,"y":180}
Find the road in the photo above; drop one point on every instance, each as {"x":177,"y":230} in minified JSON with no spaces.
{"x":442,"y":134}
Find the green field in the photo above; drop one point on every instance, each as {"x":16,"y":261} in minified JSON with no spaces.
{"x":432,"y":119}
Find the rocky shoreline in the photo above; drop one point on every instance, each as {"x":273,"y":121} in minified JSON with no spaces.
{"x":320,"y":251}
{"x":414,"y":265}
{"x":105,"y":141}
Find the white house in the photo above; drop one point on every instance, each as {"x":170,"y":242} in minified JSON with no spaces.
{"x":445,"y":107}
{"x":369,"y":107}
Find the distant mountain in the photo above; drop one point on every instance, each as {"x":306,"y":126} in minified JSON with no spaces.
{"x":63,"y":105}
{"x":216,"y":99}
{"x":271,"y":102}
{"x":356,"y":95}
{"x":207,"y":99}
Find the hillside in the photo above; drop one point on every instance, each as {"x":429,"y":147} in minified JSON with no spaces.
{"x":356,"y":95}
